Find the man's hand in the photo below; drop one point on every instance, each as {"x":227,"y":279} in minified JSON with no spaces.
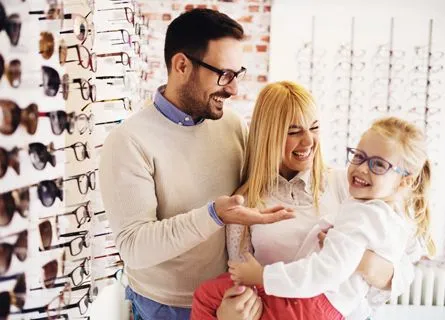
{"x":249,"y":272}
{"x":231,"y":211}
{"x":240,"y":303}
{"x":376,"y":271}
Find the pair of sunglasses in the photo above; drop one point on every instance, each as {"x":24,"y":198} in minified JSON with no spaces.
{"x":19,"y":249}
{"x":11,"y":24}
{"x":39,"y":153}
{"x":14,"y":298}
{"x":13,"y":116}
{"x":18,"y":200}
{"x":12,"y":71}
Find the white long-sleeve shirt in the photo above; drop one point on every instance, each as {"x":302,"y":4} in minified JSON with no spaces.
{"x":286,"y":240}
{"x":358,"y":226}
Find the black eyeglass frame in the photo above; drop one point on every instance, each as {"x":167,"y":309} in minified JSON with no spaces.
{"x":220,"y":72}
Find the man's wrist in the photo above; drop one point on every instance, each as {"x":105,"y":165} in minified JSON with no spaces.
{"x":213,"y":214}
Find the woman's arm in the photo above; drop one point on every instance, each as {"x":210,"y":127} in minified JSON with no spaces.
{"x":234,"y":235}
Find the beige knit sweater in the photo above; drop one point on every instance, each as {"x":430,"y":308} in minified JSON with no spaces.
{"x":156,"y":178}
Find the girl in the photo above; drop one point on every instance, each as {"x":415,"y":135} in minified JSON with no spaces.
{"x":388,"y":177}
{"x":285,"y":167}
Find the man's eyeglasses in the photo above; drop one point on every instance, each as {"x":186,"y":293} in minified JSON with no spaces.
{"x":377,"y":165}
{"x":225,"y":75}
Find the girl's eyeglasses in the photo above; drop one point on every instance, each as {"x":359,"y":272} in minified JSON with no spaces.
{"x":377,"y":165}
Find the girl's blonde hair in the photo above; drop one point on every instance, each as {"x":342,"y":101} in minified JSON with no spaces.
{"x":412,"y":146}
{"x":278,"y":106}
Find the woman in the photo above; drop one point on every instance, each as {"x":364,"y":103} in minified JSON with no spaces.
{"x":285,"y":166}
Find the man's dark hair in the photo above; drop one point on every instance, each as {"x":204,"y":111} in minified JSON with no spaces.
{"x":191,"y":32}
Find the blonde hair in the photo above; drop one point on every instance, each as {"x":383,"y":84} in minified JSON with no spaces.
{"x":412,"y":146}
{"x":278,"y":106}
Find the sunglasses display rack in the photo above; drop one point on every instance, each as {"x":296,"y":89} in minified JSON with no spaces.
{"x":70,"y":72}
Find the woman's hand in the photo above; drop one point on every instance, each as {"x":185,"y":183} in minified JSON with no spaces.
{"x":249,"y":272}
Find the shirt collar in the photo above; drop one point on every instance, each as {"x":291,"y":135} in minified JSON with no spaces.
{"x":170,"y":111}
{"x":304,"y":176}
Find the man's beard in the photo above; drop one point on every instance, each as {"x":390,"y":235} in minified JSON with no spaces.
{"x":195,"y":107}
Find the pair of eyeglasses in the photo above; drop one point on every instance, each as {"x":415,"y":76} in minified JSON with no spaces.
{"x":16,"y":297}
{"x":125,"y":101}
{"x":125,"y":59}
{"x":85,"y":181}
{"x":125,"y":35}
{"x":377,"y":165}
{"x":11,"y":24}
{"x":81,"y":150}
{"x":82,"y":213}
{"x":86,"y":59}
{"x":129,"y":13}
{"x":77,"y":275}
{"x":80,"y":241}
{"x":13,"y":116}
{"x":12,"y":71}
{"x":226,"y":76}
{"x":87,"y":89}
{"x":7,"y":250}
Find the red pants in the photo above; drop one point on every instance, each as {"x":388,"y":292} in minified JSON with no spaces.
{"x":208,"y":297}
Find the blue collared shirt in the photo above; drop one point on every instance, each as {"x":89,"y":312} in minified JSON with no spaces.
{"x":171,"y":112}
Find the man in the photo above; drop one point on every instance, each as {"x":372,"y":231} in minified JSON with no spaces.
{"x":162,"y":168}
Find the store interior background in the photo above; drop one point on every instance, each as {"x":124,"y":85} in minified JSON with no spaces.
{"x":361,"y":59}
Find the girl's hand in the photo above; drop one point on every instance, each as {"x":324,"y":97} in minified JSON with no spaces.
{"x":249,"y":272}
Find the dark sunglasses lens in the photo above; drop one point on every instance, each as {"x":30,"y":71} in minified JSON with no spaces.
{"x":39,"y":155}
{"x":4,"y":160}
{"x":7,"y":208}
{"x":11,"y":115}
{"x":5,"y":257}
{"x":2,"y":66}
{"x":46,"y":234}
{"x":21,"y":246}
{"x":50,"y":273}
{"x":51,"y":81}
{"x":13,"y":27}
{"x":5,"y":304}
{"x":47,"y":192}
{"x":30,"y":117}
{"x":58,"y":121}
